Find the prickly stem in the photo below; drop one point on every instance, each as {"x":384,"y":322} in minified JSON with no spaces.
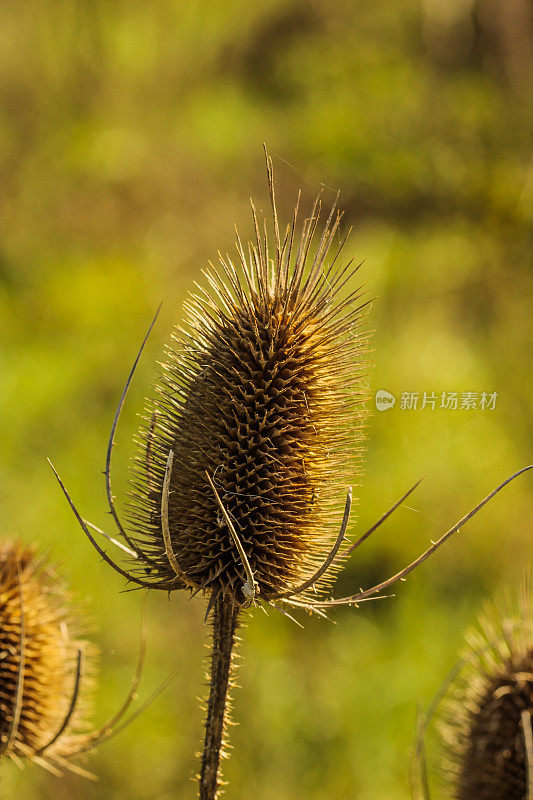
{"x":224,"y":621}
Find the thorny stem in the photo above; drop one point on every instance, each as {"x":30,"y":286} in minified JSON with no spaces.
{"x":225,"y":617}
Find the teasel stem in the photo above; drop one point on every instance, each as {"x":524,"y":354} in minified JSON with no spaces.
{"x":224,"y":620}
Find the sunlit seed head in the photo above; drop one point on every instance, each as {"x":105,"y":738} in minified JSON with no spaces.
{"x":40,"y":648}
{"x":263,"y":389}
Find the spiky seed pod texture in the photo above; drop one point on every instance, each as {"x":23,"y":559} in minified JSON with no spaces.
{"x":487,"y":712}
{"x":262,"y":389}
{"x":41,"y":639}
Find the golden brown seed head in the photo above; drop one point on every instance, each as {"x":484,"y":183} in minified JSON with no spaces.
{"x":263,"y":389}
{"x":488,"y":711}
{"x":47,"y":640}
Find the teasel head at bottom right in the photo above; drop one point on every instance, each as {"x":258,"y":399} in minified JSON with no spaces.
{"x":483,"y":717}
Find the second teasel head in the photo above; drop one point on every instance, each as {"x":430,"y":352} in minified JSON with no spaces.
{"x":48,"y":667}
{"x":485,"y":719}
{"x":259,"y":402}
{"x":43,"y":653}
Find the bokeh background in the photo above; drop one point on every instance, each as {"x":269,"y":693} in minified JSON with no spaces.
{"x":131,"y":139}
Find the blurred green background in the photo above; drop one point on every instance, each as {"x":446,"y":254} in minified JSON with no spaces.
{"x":131,"y":138}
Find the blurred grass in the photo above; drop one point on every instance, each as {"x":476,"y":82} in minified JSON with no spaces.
{"x":130,"y":139}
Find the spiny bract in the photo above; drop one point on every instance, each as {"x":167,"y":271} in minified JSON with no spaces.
{"x":263,"y":391}
{"x":40,"y":652}
{"x":488,"y":710}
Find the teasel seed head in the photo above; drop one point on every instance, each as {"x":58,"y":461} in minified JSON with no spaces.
{"x":487,"y":711}
{"x":43,"y":654}
{"x":256,"y":421}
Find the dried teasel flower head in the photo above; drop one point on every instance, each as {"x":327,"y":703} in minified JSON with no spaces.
{"x":260,"y":403}
{"x":484,"y":720}
{"x":48,"y":667}
{"x":43,"y":653}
